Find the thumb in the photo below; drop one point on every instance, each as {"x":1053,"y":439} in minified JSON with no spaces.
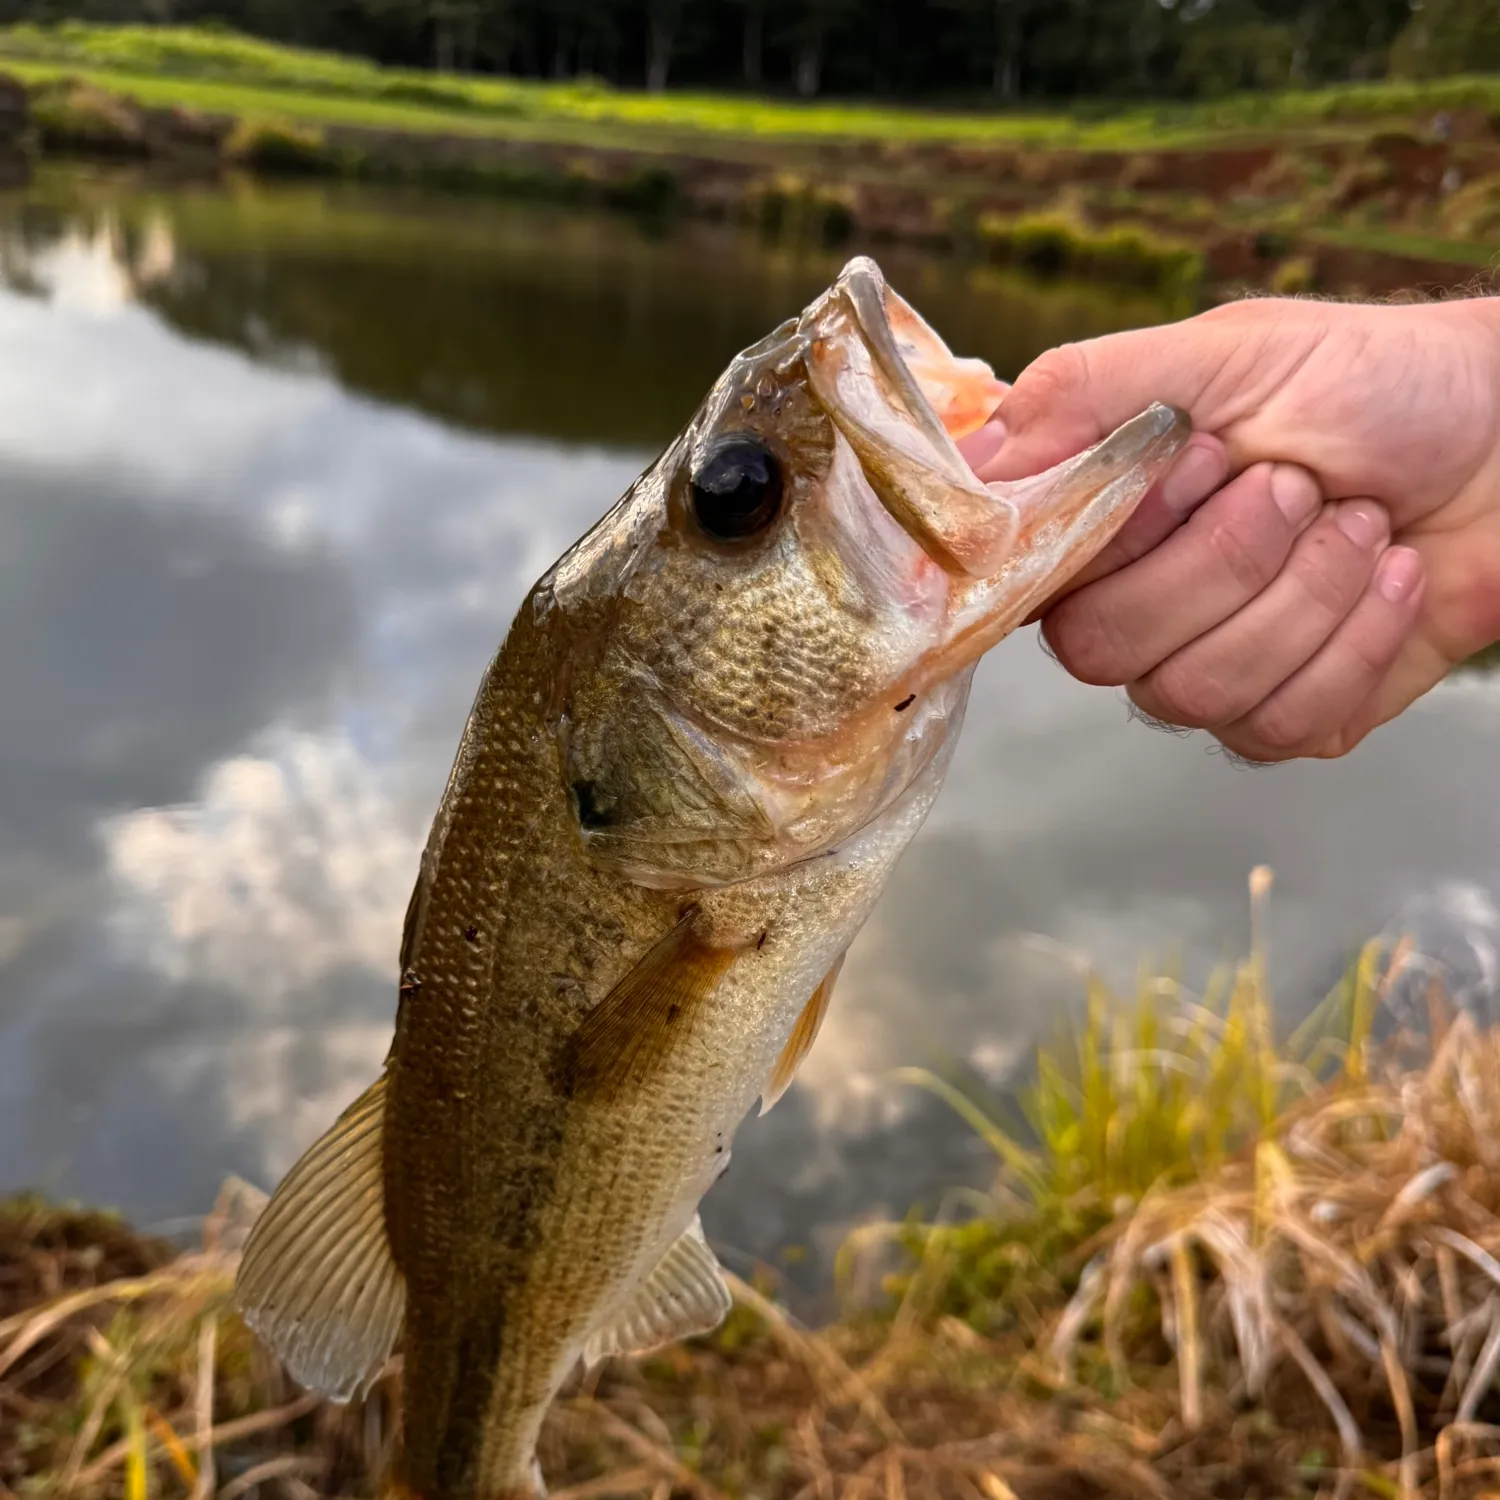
{"x":1077,"y":394}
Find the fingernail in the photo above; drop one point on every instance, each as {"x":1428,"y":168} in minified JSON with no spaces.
{"x":1197,"y":474}
{"x":1362,"y":521}
{"x":1398,"y":573}
{"x":1295,"y":492}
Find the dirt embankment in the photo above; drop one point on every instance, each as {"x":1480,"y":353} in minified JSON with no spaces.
{"x":1385,"y":212}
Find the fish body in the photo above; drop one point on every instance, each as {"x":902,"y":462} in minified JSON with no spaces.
{"x":714,"y":726}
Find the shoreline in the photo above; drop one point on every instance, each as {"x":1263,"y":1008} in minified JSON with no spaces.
{"x":1360,"y":215}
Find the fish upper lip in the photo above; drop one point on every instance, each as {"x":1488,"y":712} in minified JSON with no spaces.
{"x":864,"y":285}
{"x":927,"y":486}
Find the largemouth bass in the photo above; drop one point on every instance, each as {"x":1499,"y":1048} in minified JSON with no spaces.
{"x":714,"y":725}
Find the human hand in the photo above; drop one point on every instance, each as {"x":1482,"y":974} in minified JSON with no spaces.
{"x":1285,"y":625}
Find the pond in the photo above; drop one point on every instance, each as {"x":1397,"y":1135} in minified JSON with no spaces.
{"x":276,"y":468}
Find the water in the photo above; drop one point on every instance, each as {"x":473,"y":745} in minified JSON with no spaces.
{"x":276,"y":469}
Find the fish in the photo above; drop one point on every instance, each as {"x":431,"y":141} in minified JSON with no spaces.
{"x":714,"y":725}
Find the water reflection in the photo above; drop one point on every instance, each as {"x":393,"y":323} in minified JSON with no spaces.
{"x":547,"y":323}
{"x":276,"y":468}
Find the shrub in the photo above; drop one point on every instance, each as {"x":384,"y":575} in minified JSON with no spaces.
{"x":799,"y":208}
{"x":1138,"y":256}
{"x":652,"y":190}
{"x":1131,"y":254}
{"x":278,"y":146}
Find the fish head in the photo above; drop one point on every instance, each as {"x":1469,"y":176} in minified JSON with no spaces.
{"x":770,"y":637}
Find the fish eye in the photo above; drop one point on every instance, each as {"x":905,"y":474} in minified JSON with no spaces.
{"x":736,"y":491}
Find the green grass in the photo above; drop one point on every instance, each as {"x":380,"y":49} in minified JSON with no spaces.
{"x":1397,"y":242}
{"x":221,"y":71}
{"x":212,"y":96}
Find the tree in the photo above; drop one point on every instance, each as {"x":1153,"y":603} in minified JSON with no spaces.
{"x":1044,"y":49}
{"x":995,"y":28}
{"x":455,"y":29}
{"x":1449,"y":36}
{"x":752,"y":42}
{"x":663,"y":17}
{"x":812,"y":30}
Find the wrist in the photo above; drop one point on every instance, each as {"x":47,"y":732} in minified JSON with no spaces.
{"x":1476,"y":321}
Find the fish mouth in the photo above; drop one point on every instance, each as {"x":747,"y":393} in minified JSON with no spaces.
{"x":900,"y":398}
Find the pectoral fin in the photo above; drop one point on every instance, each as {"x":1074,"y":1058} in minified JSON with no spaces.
{"x":799,"y":1043}
{"x":647,"y":1014}
{"x":317,"y":1281}
{"x":683,"y":1296}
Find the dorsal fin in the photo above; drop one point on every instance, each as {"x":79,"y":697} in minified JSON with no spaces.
{"x":683,"y":1296}
{"x":799,"y":1043}
{"x":317,"y":1281}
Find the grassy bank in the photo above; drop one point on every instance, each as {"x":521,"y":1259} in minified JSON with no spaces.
{"x":215,"y":69}
{"x":1217,"y":1262}
{"x":1341,"y":190}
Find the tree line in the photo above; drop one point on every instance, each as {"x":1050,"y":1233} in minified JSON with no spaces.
{"x":940,"y":51}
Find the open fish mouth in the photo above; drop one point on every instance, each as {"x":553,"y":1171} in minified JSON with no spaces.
{"x":901,"y":398}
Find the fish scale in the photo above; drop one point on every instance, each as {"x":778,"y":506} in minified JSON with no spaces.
{"x":713,"y":728}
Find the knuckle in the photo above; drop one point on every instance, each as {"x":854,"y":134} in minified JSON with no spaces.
{"x":1186,"y":694}
{"x":1340,"y":743}
{"x":1251,"y":557}
{"x":1088,"y":642}
{"x":1061,"y":371}
{"x":1328,"y":573}
{"x":1373,"y":645}
{"x":1254,"y":750}
{"x":1283,"y":729}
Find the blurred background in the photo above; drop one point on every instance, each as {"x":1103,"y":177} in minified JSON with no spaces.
{"x":311,"y":361}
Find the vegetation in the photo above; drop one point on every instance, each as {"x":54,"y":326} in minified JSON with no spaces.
{"x":276,"y":146}
{"x":870,"y":48}
{"x":793,"y":205}
{"x":1294,"y":276}
{"x":217,"y":70}
{"x":1128,"y":254}
{"x":77,"y":116}
{"x":1216,"y":1262}
{"x":1283,"y":190}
